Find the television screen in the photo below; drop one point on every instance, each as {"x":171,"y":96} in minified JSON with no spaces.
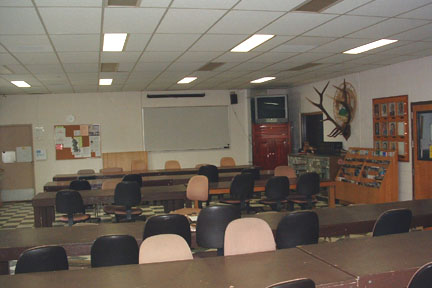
{"x":271,"y":108}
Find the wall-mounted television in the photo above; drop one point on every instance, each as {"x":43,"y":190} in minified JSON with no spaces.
{"x":271,"y":109}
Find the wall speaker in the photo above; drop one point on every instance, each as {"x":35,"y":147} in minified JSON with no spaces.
{"x":234,"y":99}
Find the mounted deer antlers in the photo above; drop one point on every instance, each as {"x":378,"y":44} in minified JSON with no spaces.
{"x":344,"y":128}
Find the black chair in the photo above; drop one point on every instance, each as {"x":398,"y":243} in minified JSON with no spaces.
{"x":211,"y":224}
{"x":79,"y":185}
{"x":127,"y":194}
{"x":86,"y":177}
{"x":42,"y":259}
{"x":393,"y":221}
{"x":308,"y":185}
{"x":276,"y":191}
{"x":297,"y":228}
{"x":422,"y":278}
{"x":212,"y":173}
{"x":168,"y":224}
{"x":297,"y":283}
{"x":254,"y":171}
{"x":241,"y":190}
{"x":70,"y":202}
{"x":114,"y":250}
{"x":133,"y":177}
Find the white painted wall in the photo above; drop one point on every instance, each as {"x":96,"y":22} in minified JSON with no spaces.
{"x":412,"y":78}
{"x":120,"y":117}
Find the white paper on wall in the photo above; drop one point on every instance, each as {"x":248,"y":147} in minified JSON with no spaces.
{"x":24,"y":154}
{"x":59,"y":134}
{"x":8,"y":157}
{"x":95,"y":145}
{"x":40,"y":154}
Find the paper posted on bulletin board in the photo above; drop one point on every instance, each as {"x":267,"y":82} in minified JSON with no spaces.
{"x":77,"y":141}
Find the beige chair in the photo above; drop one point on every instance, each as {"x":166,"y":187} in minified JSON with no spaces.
{"x":248,"y":235}
{"x":287,"y":171}
{"x":172,"y":165}
{"x":227,"y":161}
{"x":111,"y":170}
{"x":85,"y":171}
{"x":110,"y":183}
{"x":197,"y":190}
{"x":138,"y":165}
{"x":164,"y":248}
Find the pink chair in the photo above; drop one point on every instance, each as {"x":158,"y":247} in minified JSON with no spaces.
{"x":164,"y":248}
{"x":138,"y":165}
{"x":111,"y":170}
{"x":197,"y":190}
{"x":287,"y":171}
{"x":248,"y":235}
{"x":227,"y":161}
{"x":172,"y":165}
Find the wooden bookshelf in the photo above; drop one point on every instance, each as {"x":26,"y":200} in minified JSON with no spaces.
{"x":368,"y":176}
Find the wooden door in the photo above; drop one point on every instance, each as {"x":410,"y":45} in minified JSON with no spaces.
{"x":422,"y":149}
{"x":262,"y":152}
{"x":281,"y":149}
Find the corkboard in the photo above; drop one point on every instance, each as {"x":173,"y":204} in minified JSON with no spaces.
{"x":77,"y":141}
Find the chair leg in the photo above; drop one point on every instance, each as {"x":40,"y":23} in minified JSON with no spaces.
{"x":70,"y":220}
{"x":220,"y":252}
{"x":290,"y":206}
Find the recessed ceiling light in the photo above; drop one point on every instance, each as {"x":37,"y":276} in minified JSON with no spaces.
{"x":252,"y":42}
{"x":264,"y":79}
{"x":21,"y":84}
{"x":114,"y":41}
{"x":105,"y":81}
{"x":187,"y":80}
{"x":370,"y":46}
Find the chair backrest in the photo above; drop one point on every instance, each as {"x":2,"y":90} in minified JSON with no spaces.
{"x":85,"y":171}
{"x":111,"y":170}
{"x":110,"y":183}
{"x":308,"y":184}
{"x":197,"y":188}
{"x":254,"y":171}
{"x":137,"y":165}
{"x":127,"y":194}
{"x":69,"y":202}
{"x":79,"y":185}
{"x":211,"y":171}
{"x":242,"y":186}
{"x":248,"y":235}
{"x":113,"y":250}
{"x":172,"y":165}
{"x":227,"y":161}
{"x":287,"y":171}
{"x":41,"y":259}
{"x":277,"y":188}
{"x":422,"y":278}
{"x":297,"y":228}
{"x":164,"y":248}
{"x":133,"y":177}
{"x":296,"y":283}
{"x":168,"y":224}
{"x":211,"y":224}
{"x":393,"y":221}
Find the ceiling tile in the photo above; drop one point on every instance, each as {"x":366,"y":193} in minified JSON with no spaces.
{"x":16,"y":3}
{"x":198,"y":56}
{"x":217,"y":42}
{"x":22,"y":21}
{"x":79,"y":57}
{"x":249,"y":66}
{"x":151,"y":66}
{"x":44,"y":68}
{"x":289,"y":24}
{"x":26,"y":43}
{"x":155,"y":3}
{"x":51,"y":79}
{"x":6,"y":59}
{"x":274,"y":5}
{"x":344,"y":6}
{"x":305,"y":58}
{"x":415,"y":34}
{"x":17,"y":69}
{"x":239,"y":22}
{"x":274,"y":42}
{"x":188,"y":20}
{"x":340,"y":58}
{"x":207,"y":4}
{"x":81,"y":67}
{"x":131,"y":20}
{"x":137,"y":42}
{"x":85,"y":88}
{"x":186,"y":67}
{"x":71,"y":20}
{"x":76,"y":43}
{"x":340,"y":45}
{"x":59,"y":89}
{"x":343,"y":25}
{"x":83,"y":77}
{"x":2,"y":50}
{"x":37,"y":58}
{"x":272,"y":57}
{"x":236,"y":57}
{"x":116,"y":57}
{"x":159,"y":56}
{"x":23,"y":77}
{"x":171,"y":42}
{"x":420,"y":13}
{"x":389,"y":9}
{"x":68,"y":3}
{"x":410,"y":49}
{"x":387,"y":28}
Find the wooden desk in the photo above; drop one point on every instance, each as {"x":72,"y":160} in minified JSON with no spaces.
{"x":225,"y":169}
{"x":252,"y":270}
{"x":387,"y":261}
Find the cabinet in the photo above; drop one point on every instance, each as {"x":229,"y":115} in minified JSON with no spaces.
{"x":326,"y":166}
{"x":368,"y":176}
{"x":271,"y":144}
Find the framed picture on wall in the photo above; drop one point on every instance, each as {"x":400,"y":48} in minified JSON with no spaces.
{"x":384,"y":145}
{"x":384,"y":129}
{"x":392,"y":129}
{"x":377,"y":145}
{"x":376,"y":110}
{"x":384,"y":110}
{"x":401,"y":109}
{"x":392,"y":111}
{"x":377,"y":129}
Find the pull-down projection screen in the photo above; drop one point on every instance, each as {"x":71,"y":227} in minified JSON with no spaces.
{"x":186,"y":128}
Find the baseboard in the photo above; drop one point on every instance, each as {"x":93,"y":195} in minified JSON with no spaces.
{"x":17,"y":195}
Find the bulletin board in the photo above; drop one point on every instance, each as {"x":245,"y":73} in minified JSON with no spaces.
{"x":77,"y":141}
{"x":390,"y":118}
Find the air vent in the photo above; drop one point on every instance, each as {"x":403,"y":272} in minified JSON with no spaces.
{"x":175,"y":95}
{"x":316,"y":5}
{"x":126,"y":3}
{"x":109,"y":67}
{"x":304,"y":66}
{"x":211,"y":66}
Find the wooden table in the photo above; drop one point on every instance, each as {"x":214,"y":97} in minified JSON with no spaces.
{"x":183,"y":171}
{"x":256,"y":270}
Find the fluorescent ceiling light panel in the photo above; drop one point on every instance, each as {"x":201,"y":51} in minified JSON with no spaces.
{"x":114,"y":41}
{"x":21,"y":84}
{"x":187,"y":80}
{"x":370,"y":46}
{"x":105,"y":81}
{"x":262,"y":80}
{"x":252,"y":42}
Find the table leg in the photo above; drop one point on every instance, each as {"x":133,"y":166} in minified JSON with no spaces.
{"x":331,"y":196}
{"x":4,"y":268}
{"x":43,"y":216}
